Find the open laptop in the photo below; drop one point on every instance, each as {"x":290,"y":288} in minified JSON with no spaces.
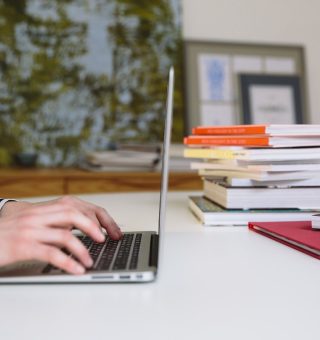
{"x":134,"y":258}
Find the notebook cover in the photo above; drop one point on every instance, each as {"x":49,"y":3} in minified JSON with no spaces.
{"x":299,"y":232}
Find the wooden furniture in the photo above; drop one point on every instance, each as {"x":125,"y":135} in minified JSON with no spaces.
{"x":45,"y":182}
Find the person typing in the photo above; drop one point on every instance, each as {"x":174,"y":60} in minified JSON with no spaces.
{"x":38,"y":231}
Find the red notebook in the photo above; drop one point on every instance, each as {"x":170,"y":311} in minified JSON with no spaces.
{"x":297,"y":235}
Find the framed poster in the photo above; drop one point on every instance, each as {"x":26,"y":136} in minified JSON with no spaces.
{"x":212,"y":69}
{"x":270,"y":99}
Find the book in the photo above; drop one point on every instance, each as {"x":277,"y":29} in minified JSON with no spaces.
{"x":231,"y":197}
{"x":123,"y":158}
{"x":262,"y":176}
{"x":259,"y":168}
{"x":295,"y":234}
{"x":211,"y":214}
{"x":115,"y":168}
{"x":254,"y":141}
{"x":315,"y":221}
{"x":269,"y":129}
{"x":245,"y":182}
{"x":209,"y":153}
{"x":265,"y":154}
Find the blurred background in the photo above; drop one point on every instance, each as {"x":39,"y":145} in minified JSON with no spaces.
{"x":78,"y":75}
{"x":83,"y":82}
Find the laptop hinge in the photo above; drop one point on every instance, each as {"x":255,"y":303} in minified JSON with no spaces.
{"x":154,"y":250}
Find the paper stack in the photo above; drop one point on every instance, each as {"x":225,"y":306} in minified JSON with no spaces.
{"x":273,"y":169}
{"x":123,"y":158}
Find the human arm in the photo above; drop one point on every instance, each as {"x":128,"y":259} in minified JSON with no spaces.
{"x":37,"y":231}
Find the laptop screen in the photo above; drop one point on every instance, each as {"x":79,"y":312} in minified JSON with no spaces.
{"x":165,"y":159}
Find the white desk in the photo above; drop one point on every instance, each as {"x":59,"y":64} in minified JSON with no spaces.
{"x":223,"y":283}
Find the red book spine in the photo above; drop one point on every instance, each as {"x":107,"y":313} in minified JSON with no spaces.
{"x":230,"y":130}
{"x":227,"y":141}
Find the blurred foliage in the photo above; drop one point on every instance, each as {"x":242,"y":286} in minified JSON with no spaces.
{"x":51,"y":103}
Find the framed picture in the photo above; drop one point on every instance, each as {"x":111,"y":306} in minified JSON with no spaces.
{"x":212,"y":69}
{"x":271,"y":99}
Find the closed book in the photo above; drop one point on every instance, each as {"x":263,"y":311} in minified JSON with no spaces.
{"x":118,"y":158}
{"x":253,"y":141}
{"x":245,"y":182}
{"x":270,"y":129}
{"x":262,"y":197}
{"x":258,"y":168}
{"x":298,"y":235}
{"x":253,"y":154}
{"x":315,"y":221}
{"x":212,"y":214}
{"x":260,"y":176}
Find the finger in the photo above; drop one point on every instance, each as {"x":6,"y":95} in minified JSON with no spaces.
{"x":57,"y":258}
{"x":108,"y":223}
{"x":68,"y":218}
{"x":67,"y":240}
{"x":99,"y":214}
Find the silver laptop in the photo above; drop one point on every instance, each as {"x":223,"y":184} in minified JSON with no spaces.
{"x":134,"y":258}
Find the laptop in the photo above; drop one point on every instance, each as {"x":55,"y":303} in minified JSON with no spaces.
{"x":134,"y":258}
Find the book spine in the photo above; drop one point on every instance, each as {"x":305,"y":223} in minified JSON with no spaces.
{"x":230,"y":130}
{"x":226,"y":141}
{"x":206,"y":153}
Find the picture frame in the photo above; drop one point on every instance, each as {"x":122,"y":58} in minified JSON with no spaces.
{"x":211,"y":77}
{"x":270,"y":99}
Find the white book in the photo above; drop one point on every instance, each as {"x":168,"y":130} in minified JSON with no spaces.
{"x":293,"y":129}
{"x":315,"y":221}
{"x":211,"y":214}
{"x":123,"y":157}
{"x":262,"y":197}
{"x":245,"y":182}
{"x":253,"y":154}
{"x":257,"y":167}
{"x":254,"y":141}
{"x":263,"y":176}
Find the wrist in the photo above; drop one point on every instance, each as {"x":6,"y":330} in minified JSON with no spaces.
{"x":13,"y":207}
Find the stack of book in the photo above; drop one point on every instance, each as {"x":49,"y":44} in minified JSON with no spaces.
{"x":256,"y":173}
{"x":132,"y":157}
{"x":135,"y":157}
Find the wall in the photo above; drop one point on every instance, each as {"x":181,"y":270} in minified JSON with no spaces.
{"x":269,"y":21}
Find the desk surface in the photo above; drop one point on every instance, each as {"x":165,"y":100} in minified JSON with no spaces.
{"x":222,"y":283}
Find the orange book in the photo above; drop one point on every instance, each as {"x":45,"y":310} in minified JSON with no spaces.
{"x":228,"y":140}
{"x":253,"y":141}
{"x":230,"y":130}
{"x":272,"y":130}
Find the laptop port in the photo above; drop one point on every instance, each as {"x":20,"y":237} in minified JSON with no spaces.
{"x":124,"y":277}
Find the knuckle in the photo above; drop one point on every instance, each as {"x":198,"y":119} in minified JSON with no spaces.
{"x":67,"y":199}
{"x":102,"y":210}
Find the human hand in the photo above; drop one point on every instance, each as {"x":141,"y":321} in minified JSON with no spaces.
{"x":38,"y":231}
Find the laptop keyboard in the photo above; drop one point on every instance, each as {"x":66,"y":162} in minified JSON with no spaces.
{"x":112,"y":254}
